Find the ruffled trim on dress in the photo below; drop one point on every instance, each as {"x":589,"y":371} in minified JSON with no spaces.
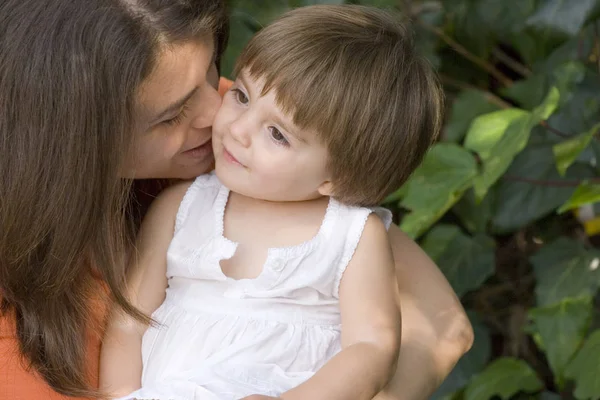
{"x":384,"y":214}
{"x":274,"y":264}
{"x":354,"y":235}
{"x":200,"y":182}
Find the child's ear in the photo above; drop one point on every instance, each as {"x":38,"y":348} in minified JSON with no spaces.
{"x":326,"y":189}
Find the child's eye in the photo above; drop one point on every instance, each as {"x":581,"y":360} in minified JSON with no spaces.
{"x":278,"y":137}
{"x":240,"y":96}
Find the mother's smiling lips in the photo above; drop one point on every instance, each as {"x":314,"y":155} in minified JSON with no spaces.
{"x":200,"y":151}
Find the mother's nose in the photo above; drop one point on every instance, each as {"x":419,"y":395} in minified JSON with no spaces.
{"x":207,"y":107}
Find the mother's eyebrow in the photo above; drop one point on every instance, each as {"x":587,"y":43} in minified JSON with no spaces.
{"x":177,"y":105}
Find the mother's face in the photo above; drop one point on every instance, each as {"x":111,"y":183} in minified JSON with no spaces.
{"x":178,"y":104}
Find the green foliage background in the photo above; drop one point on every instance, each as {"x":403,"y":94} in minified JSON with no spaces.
{"x":493,"y":201}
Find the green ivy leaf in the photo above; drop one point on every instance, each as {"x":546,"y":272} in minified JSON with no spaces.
{"x":469,"y":29}
{"x":246,"y":18}
{"x":566,"y":77}
{"x":549,"y":396}
{"x":595,"y":155}
{"x":567,"y":152}
{"x":512,"y":142}
{"x":531,"y":91}
{"x":585,"y":193}
{"x":242,"y":30}
{"x":585,"y":369}
{"x":475,"y":216}
{"x":581,"y":110}
{"x":467,"y":105}
{"x":426,"y":42}
{"x":446,"y":172}
{"x":561,"y":329}
{"x":504,"y":17}
{"x":528,"y":92}
{"x":569,"y":50}
{"x":505,"y":377}
{"x":262,"y":13}
{"x":378,"y":3}
{"x":438,"y":239}
{"x":465,"y":261}
{"x":519,"y":203}
{"x":470,"y":364}
{"x":302,"y":3}
{"x":561,"y":18}
{"x":486,"y":130}
{"x":565,"y":268}
{"x":528,"y":45}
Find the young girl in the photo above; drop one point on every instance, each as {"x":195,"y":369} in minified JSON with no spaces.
{"x":271,"y":276}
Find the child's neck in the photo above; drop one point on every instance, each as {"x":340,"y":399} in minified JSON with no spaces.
{"x":259,"y":225}
{"x":275,"y":206}
{"x":275,"y":224}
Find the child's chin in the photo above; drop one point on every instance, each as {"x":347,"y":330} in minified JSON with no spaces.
{"x":228,"y":178}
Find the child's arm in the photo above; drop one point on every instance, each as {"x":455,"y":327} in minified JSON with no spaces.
{"x":435,"y":329}
{"x":370,"y":325}
{"x":121,"y":358}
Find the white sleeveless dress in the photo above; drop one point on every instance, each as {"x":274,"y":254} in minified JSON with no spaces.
{"x":221,"y":338}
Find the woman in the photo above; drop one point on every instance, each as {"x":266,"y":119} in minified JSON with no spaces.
{"x":96,"y":94}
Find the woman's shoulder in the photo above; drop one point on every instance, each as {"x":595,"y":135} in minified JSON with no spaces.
{"x":19,"y":381}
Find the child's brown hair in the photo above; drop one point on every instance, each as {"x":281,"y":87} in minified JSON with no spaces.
{"x":352,"y":74}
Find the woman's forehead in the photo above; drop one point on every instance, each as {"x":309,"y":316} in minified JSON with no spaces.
{"x":179,"y":70}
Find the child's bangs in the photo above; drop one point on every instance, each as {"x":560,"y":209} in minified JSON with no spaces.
{"x":295,"y":71}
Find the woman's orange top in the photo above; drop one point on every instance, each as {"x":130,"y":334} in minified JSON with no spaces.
{"x":17,"y":382}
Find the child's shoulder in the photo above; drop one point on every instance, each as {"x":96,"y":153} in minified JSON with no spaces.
{"x":385,"y":216}
{"x":375,"y":227}
{"x":379,"y":214}
{"x":366,"y":226}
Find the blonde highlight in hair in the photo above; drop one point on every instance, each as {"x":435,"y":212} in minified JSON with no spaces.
{"x":352,"y":74}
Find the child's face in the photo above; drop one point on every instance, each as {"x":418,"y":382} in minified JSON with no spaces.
{"x":260,"y":153}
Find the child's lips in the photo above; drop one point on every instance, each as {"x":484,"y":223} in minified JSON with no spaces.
{"x":231,"y":158}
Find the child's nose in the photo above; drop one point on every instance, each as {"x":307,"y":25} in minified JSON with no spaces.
{"x":240,"y":130}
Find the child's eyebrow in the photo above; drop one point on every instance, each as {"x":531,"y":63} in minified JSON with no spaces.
{"x":276,"y":115}
{"x":292,"y":132}
{"x":243,"y":80}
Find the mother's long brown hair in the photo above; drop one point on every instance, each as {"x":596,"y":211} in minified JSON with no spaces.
{"x":69,"y":72}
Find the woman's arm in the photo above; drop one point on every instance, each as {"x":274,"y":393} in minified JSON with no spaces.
{"x":121,"y":354}
{"x":435,"y":329}
{"x":371,"y":326}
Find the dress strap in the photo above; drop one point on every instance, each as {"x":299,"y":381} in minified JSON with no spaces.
{"x":357,"y":218}
{"x":201,"y":182}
